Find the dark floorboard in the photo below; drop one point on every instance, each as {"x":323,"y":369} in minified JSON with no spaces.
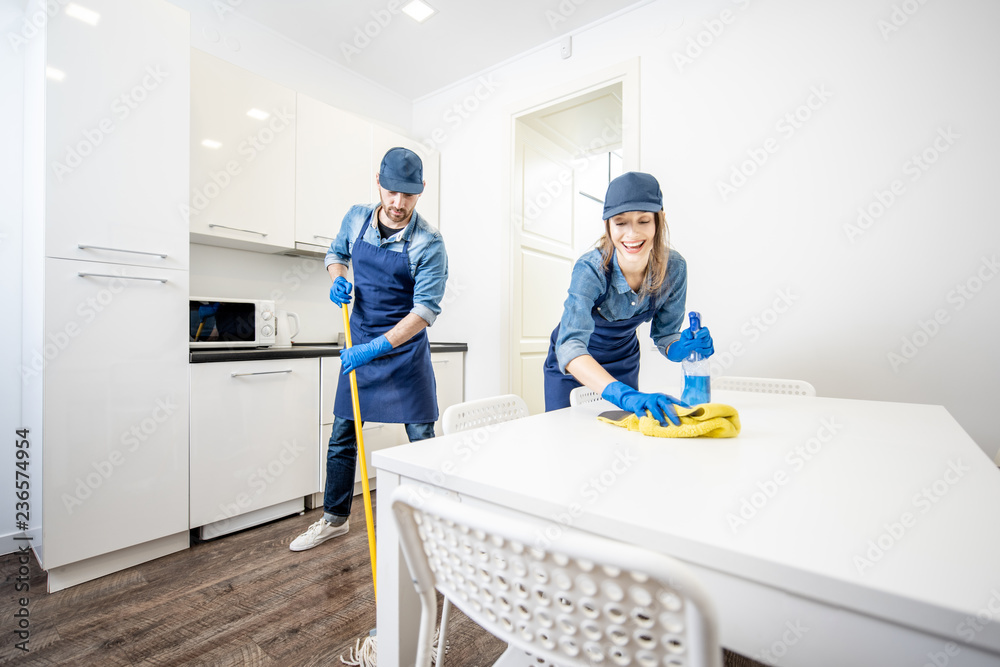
{"x":241,"y":600}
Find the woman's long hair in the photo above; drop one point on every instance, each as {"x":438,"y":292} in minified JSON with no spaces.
{"x":656,"y":269}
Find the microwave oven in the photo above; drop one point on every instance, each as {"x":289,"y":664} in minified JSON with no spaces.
{"x":222,"y":322}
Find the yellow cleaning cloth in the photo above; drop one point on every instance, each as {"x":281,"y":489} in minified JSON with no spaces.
{"x":709,"y":420}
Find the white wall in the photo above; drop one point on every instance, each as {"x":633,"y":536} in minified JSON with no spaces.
{"x":297,"y":284}
{"x":11,"y":209}
{"x":787,"y":287}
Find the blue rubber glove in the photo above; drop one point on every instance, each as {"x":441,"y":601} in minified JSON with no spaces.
{"x":340,"y":291}
{"x":690,"y":341}
{"x":659,"y":405}
{"x":358,"y":355}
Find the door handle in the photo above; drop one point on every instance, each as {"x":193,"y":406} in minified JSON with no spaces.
{"x":237,"y":229}
{"x":239,"y":375}
{"x":111,"y":275}
{"x":82,"y":246}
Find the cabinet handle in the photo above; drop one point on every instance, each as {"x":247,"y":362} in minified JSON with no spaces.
{"x":239,"y":375}
{"x":81,"y":246}
{"x":320,"y":236}
{"x":111,"y":275}
{"x":237,"y":229}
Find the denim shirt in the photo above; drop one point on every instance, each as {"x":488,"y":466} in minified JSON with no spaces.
{"x":589,"y":284}
{"x":428,"y":259}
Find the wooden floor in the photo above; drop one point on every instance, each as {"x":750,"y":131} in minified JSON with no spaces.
{"x":244,"y":599}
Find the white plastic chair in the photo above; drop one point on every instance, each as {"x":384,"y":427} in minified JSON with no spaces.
{"x":582,"y":395}
{"x":578,"y":600}
{"x":483,"y":412}
{"x":765,"y":385}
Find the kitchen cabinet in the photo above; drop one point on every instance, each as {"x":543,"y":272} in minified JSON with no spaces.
{"x":104,"y":322}
{"x":449,"y":373}
{"x":254,"y":425}
{"x":116,"y":133}
{"x":333,"y":170}
{"x":429,"y":204}
{"x":242,"y":146}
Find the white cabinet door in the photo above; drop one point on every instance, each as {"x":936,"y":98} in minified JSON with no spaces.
{"x":429,"y":203}
{"x":242,"y":157}
{"x":116,"y":126}
{"x":333,"y":170}
{"x":253,"y":435}
{"x":115,"y":368}
{"x":449,"y":373}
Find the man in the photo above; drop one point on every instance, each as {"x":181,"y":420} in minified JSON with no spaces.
{"x":400,"y":271}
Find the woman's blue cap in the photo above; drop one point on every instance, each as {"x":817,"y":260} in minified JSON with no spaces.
{"x":632,"y":191}
{"x":401,"y":171}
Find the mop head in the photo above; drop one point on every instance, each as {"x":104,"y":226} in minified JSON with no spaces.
{"x":365,"y":654}
{"x":708,"y":420}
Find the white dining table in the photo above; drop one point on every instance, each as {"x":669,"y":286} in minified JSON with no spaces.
{"x":831,"y":531}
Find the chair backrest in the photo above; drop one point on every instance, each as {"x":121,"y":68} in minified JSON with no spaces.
{"x":764,"y":385}
{"x":574,"y":599}
{"x":582,"y":395}
{"x":483,"y":412}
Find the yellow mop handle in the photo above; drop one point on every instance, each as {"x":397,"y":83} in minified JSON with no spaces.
{"x":361,"y":454}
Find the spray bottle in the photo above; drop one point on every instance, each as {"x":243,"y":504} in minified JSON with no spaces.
{"x":697,"y":379}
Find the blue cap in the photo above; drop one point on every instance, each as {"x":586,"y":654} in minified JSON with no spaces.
{"x":632,"y":191}
{"x":402,"y":171}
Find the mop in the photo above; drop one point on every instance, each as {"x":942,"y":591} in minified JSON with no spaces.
{"x":365,"y":653}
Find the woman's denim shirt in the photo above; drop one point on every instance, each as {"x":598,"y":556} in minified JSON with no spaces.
{"x":428,"y":259}
{"x":589,"y":283}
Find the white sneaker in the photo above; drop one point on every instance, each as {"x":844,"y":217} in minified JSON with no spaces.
{"x":317,"y":534}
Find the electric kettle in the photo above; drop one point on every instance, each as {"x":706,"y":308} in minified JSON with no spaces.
{"x":283,"y":331}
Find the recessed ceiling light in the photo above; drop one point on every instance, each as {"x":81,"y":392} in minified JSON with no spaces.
{"x":211,"y":143}
{"x":258,"y":114}
{"x":55,"y":74}
{"x":419,"y":10}
{"x":88,"y":16}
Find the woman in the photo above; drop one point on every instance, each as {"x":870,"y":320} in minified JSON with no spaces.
{"x":630,"y":277}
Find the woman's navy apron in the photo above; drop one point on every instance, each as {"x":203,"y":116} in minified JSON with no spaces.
{"x":399,"y":387}
{"x":613,"y":345}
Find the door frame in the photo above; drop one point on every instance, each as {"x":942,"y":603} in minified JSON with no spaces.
{"x":627,"y":73}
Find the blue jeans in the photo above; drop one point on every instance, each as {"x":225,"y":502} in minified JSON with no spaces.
{"x":342,"y":459}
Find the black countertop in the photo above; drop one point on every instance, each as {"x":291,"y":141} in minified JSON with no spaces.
{"x":296,"y":351}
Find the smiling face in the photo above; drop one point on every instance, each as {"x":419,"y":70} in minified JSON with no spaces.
{"x":633,"y":234}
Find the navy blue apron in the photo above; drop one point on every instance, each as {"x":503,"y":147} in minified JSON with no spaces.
{"x":399,"y":387}
{"x":613,"y":345}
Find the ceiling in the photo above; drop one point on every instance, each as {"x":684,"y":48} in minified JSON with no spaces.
{"x":465,"y":37}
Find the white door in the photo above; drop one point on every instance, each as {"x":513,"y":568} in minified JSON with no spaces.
{"x":543,"y":254}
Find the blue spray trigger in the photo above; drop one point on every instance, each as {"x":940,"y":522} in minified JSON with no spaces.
{"x":695,"y":320}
